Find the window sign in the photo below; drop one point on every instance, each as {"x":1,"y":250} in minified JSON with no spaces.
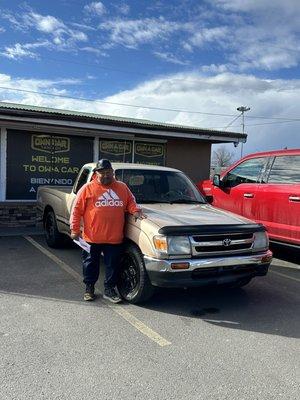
{"x":149,"y":153}
{"x":116,"y":150}
{"x":35,"y":159}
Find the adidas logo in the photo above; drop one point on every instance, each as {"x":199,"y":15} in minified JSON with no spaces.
{"x":109,"y":199}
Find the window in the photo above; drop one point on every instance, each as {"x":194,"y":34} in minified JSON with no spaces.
{"x":285,"y":169}
{"x":248,"y":171}
{"x":82,"y":179}
{"x":116,"y":150}
{"x":156,"y":186}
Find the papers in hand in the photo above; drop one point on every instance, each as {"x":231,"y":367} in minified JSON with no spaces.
{"x":83,"y":244}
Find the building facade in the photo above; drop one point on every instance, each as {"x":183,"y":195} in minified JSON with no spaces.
{"x":42,"y":146}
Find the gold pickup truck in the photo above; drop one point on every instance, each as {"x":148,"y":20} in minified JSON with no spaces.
{"x":184,"y":241}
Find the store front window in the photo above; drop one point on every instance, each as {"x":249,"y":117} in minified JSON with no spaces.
{"x":116,"y":150}
{"x":35,"y":159}
{"x":132,"y":151}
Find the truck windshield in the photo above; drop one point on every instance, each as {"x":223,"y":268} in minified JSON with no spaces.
{"x":154,"y":186}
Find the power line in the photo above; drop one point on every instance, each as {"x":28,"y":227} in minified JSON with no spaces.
{"x":230,"y":123}
{"x":264,"y":123}
{"x":151,"y":107}
{"x":146,"y":75}
{"x":271,"y":123}
{"x":113,"y":103}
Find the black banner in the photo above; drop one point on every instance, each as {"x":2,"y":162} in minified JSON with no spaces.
{"x":116,"y":150}
{"x":35,"y":159}
{"x":149,"y":153}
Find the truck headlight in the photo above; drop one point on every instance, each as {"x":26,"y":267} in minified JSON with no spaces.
{"x":179,"y":245}
{"x":172,"y":245}
{"x":261,"y":241}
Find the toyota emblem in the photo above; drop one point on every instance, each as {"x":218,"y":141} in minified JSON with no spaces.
{"x":226,"y":242}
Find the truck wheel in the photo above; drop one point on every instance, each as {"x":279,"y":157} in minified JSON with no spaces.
{"x":54,"y":238}
{"x":133,"y":283}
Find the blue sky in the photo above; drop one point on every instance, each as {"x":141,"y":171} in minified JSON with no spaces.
{"x":203,"y":56}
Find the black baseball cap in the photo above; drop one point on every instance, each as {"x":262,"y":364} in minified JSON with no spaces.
{"x":103,"y":164}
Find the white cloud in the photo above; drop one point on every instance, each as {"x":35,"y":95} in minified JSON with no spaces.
{"x":95,"y":7}
{"x":187,"y":47}
{"x":47,"y":24}
{"x":19,"y":51}
{"x":131,"y":33}
{"x":94,"y":50}
{"x":214,"y":68}
{"x":261,"y":34}
{"x":288,"y":7}
{"x":63,"y":36}
{"x":169,"y":58}
{"x":2,"y":30}
{"x":207,"y":35}
{"x":220,"y":94}
{"x":123,"y":9}
{"x":83,"y":26}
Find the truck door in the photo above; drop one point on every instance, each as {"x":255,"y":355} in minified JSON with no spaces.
{"x":239,"y":187}
{"x":279,"y":199}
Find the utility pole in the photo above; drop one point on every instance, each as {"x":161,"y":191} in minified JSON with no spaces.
{"x":243,"y":109}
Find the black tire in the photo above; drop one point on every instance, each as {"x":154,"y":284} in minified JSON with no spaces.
{"x":54,"y":238}
{"x":134,"y":284}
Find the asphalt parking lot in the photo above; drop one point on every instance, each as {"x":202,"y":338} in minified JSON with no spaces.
{"x":182,"y":344}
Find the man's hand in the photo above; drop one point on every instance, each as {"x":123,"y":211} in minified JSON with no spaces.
{"x":139,"y":215}
{"x":75,"y":235}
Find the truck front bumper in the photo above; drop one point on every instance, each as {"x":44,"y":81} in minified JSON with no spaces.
{"x":207,"y":271}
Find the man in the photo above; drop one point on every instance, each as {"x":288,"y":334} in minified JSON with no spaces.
{"x":102,"y":204}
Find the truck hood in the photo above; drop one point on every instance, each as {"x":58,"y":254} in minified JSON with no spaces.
{"x":190,"y":214}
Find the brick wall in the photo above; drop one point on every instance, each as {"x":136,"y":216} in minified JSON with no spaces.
{"x":18,"y":214}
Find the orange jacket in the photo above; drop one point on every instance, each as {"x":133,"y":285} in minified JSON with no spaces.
{"x":102,"y":209}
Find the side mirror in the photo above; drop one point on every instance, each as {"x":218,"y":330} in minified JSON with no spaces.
{"x":216,"y":180}
{"x":209,"y":199}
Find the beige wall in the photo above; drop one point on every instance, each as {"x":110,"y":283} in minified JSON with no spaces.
{"x":190,"y":156}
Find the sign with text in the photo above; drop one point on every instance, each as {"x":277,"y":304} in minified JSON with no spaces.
{"x":35,"y":159}
{"x":116,"y":150}
{"x":149,"y":153}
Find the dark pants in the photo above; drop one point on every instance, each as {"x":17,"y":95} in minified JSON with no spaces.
{"x":91,"y":263}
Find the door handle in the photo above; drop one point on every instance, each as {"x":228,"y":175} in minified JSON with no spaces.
{"x":249,"y":195}
{"x":294,"y":198}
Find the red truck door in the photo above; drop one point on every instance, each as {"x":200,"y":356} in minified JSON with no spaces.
{"x":279,"y":199}
{"x":239,"y":187}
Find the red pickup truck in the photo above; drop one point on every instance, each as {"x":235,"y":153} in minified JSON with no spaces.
{"x":264,"y":187}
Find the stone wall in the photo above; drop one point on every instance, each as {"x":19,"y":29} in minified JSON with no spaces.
{"x":18,"y":214}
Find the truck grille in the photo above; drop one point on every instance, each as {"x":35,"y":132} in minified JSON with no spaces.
{"x":221,"y":244}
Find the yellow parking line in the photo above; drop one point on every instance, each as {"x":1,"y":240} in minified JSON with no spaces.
{"x":126,"y":315}
{"x":285,"y":276}
{"x":59,"y":262}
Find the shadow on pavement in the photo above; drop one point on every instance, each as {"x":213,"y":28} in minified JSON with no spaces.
{"x":268,"y":304}
{"x":25,"y":271}
{"x":286,"y":253}
{"x":262,"y":306}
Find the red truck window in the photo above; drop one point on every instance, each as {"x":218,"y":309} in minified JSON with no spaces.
{"x":285,"y":169}
{"x":248,"y":171}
